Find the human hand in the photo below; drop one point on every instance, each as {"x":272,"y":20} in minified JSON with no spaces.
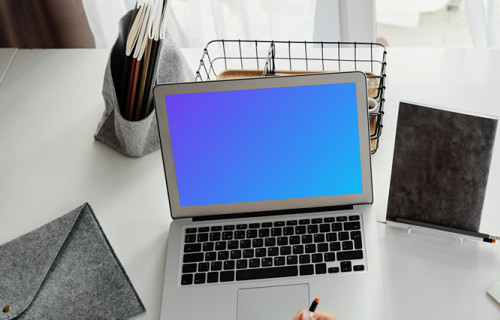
{"x":318,"y":315}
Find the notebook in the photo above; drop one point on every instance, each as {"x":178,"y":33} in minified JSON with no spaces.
{"x":262,"y":177}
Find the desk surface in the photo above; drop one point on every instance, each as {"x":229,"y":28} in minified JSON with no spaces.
{"x":50,"y":104}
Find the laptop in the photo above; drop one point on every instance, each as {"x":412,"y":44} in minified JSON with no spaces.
{"x":269,"y":185}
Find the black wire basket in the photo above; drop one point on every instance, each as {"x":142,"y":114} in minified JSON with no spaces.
{"x":229,"y":59}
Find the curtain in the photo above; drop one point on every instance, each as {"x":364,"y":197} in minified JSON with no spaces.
{"x":44,"y":24}
{"x":484,"y":22}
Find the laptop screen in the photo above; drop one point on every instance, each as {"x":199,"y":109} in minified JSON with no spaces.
{"x":241,"y":147}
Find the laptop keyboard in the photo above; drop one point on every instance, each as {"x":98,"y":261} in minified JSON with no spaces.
{"x":288,"y":248}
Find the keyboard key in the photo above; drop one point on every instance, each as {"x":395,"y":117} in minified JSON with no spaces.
{"x":242,"y":264}
{"x":235,"y":254}
{"x":350,"y":255}
{"x":306,"y":269}
{"x":245,"y":244}
{"x":298,"y":249}
{"x":291,"y":260}
{"x":331,"y":237}
{"x":239,"y":234}
{"x":270,"y":242}
{"x":300,"y":229}
{"x":347,"y":245}
{"x":191,"y":230}
{"x":190,"y":238}
{"x":215,"y":236}
{"x":189,"y":267}
{"x":354,"y":218}
{"x":317,"y":257}
{"x":192,"y":247}
{"x":310,"y":248}
{"x":203,"y":267}
{"x":216,"y":266}
{"x":202,"y":237}
{"x":208,"y":246}
{"x":273,"y":251}
{"x":227,"y":235}
{"x":319,"y":237}
{"x":317,"y":220}
{"x":329,"y":219}
{"x":294,"y":240}
{"x":248,"y":253}
{"x":333,"y":270}
{"x":356,"y":237}
{"x":288,"y":231}
{"x":307,"y":238}
{"x":226,"y":276}
{"x":254,"y":225}
{"x":267,"y":273}
{"x":343,"y":236}
{"x":329,"y":256}
{"x":352,"y":225}
{"x":187,"y":279}
{"x":345,"y":266}
{"x":210,"y":256}
{"x":342,"y":218}
{"x":276,"y":232}
{"x":203,"y":229}
{"x":291,"y":223}
{"x":304,"y":258}
{"x":267,"y":224}
{"x":304,"y":221}
{"x":229,"y":227}
{"x":252,"y":233}
{"x":279,"y":223}
{"x":260,"y":252}
{"x":285,"y":250}
{"x":322,"y":247}
{"x":257,"y":243}
{"x":223,"y":255}
{"x":241,"y":226}
{"x":334,"y":246}
{"x":212,"y":277}
{"x":324,"y":228}
{"x":192,"y":257}
{"x":229,"y":265}
{"x":279,"y":261}
{"x":199,"y":278}
{"x":264,"y":233}
{"x":320,"y":268}
{"x":313,"y":228}
{"x":267,"y":262}
{"x":282,"y":241}
{"x":254,"y":263}
{"x":216,"y":228}
{"x":359,"y":267}
{"x":232,"y":244}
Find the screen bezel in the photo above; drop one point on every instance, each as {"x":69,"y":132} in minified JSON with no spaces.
{"x":176,"y":211}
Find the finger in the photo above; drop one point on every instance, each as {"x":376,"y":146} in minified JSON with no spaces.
{"x":321,"y":315}
{"x":303,"y":314}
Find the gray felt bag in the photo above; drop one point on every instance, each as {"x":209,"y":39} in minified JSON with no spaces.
{"x":65,"y":269}
{"x":135,"y":138}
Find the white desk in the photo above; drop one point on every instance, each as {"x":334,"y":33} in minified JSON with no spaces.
{"x":50,"y":103}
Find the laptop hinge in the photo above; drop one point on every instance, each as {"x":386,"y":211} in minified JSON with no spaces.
{"x":272,"y":213}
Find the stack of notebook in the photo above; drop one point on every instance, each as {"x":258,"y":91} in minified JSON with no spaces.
{"x":145,"y":35}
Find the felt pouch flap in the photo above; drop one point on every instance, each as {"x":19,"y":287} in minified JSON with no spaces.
{"x":65,"y":270}
{"x":26,"y":261}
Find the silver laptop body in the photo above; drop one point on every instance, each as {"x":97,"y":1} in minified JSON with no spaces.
{"x":262,"y":178}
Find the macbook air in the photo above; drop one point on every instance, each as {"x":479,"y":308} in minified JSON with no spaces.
{"x":270,"y":188}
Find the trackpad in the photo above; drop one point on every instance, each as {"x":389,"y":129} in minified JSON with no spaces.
{"x":272,"y":303}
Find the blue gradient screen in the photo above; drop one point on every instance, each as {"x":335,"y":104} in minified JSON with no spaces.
{"x":265,"y":144}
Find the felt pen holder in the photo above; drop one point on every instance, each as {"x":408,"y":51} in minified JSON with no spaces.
{"x":136,"y":138}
